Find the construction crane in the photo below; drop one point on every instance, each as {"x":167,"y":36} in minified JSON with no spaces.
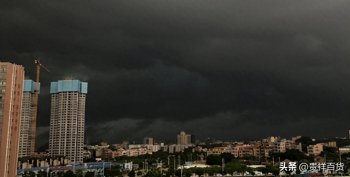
{"x":35,"y":103}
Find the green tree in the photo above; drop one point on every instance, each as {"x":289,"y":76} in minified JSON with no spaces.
{"x":60,"y":174}
{"x":79,"y":173}
{"x":29,"y":174}
{"x":305,"y":141}
{"x":90,"y":174}
{"x":112,"y":172}
{"x":330,"y":153}
{"x":42,"y":174}
{"x":153,"y":173}
{"x":272,"y":169}
{"x":293,"y":155}
{"x":131,"y":173}
{"x":212,"y":170}
{"x":228,"y":157}
{"x":69,"y":173}
{"x":199,"y":171}
{"x":342,"y":142}
{"x":235,"y":166}
{"x":214,"y":160}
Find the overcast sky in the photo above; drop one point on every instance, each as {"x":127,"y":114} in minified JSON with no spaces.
{"x":222,"y":69}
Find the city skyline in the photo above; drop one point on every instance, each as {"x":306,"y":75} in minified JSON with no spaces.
{"x":225,"y":70}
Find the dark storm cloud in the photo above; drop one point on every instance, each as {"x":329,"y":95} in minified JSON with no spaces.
{"x":155,"y":65}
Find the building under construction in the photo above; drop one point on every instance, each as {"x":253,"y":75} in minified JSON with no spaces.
{"x":26,"y":139}
{"x":29,"y":114}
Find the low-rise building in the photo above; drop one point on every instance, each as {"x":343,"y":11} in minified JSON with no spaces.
{"x":332,"y":144}
{"x":315,"y":150}
{"x":344,"y":150}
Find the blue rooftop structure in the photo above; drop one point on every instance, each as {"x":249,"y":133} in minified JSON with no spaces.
{"x":29,"y":86}
{"x":68,"y":86}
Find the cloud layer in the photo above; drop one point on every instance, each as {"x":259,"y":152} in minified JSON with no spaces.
{"x":224,"y":69}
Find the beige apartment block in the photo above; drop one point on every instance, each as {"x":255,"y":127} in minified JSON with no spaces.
{"x":11,"y":89}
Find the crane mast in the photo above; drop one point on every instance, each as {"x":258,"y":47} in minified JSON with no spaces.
{"x":35,"y":104}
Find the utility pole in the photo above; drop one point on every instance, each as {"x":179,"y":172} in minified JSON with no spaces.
{"x":341,"y":174}
{"x":161,"y":168}
{"x":181,"y":167}
{"x":174,"y":166}
{"x":222,"y":165}
{"x":168,"y":161}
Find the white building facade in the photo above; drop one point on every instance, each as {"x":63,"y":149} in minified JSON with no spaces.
{"x":67,"y":122}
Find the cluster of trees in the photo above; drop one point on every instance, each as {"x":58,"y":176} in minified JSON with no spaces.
{"x":217,"y":159}
{"x":32,"y":174}
{"x":231,"y":167}
{"x":114,"y":171}
{"x":232,"y":164}
{"x":187,"y":155}
{"x":293,"y":155}
{"x":69,"y":173}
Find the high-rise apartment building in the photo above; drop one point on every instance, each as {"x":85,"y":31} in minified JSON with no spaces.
{"x":26,"y":141}
{"x":67,"y":120}
{"x":11,"y":90}
{"x":183,"y":138}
